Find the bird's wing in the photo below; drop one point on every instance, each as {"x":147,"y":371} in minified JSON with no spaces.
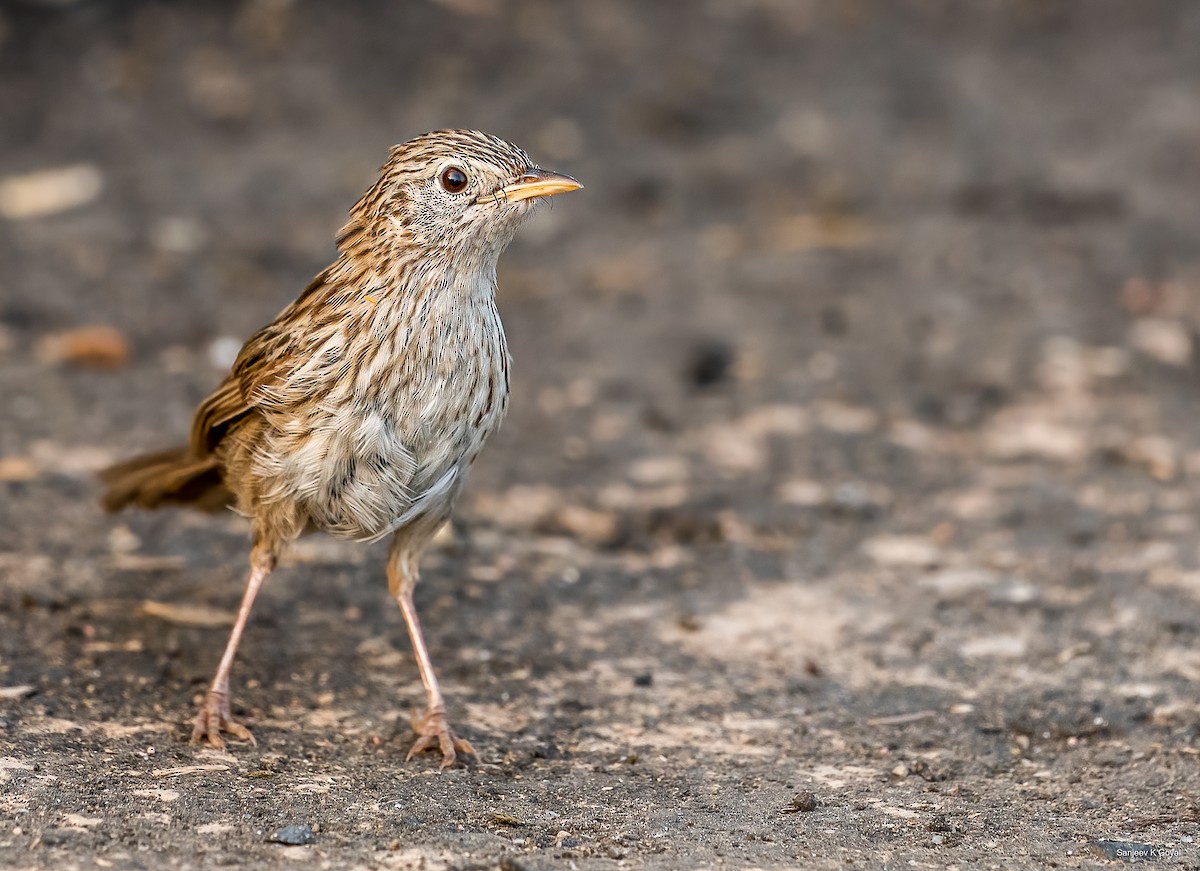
{"x":224,"y":406}
{"x":264,"y":360}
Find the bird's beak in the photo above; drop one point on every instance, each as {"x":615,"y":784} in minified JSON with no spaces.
{"x":537,"y":183}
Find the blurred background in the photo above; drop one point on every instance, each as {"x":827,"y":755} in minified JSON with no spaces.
{"x":863,"y":302}
{"x":892,"y":204}
{"x":889,"y":204}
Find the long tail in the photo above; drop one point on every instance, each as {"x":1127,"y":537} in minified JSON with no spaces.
{"x":167,"y":477}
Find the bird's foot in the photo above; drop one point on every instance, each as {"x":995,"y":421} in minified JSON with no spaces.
{"x":215,"y":718}
{"x":434,"y":733}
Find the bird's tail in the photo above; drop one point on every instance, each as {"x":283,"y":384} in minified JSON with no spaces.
{"x":167,"y":477}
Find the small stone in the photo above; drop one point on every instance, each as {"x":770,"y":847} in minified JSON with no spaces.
{"x":659,"y":470}
{"x":846,"y":419}
{"x":995,"y":646}
{"x":1156,"y":454}
{"x":939,"y":823}
{"x":1063,"y":366}
{"x":808,"y":232}
{"x":504,"y":819}
{"x":645,"y":679}
{"x":224,"y":351}
{"x":710,"y":363}
{"x":69,"y":460}
{"x":122,"y":539}
{"x":98,"y":347}
{"x":860,"y":499}
{"x":216,"y":85}
{"x":1165,"y":340}
{"x":18,"y":469}
{"x":957,"y":582}
{"x":803,"y":492}
{"x":802,"y":803}
{"x":776,"y":420}
{"x":902,"y":550}
{"x":524,"y":506}
{"x":1014,"y":592}
{"x":49,"y":191}
{"x":178,"y":235}
{"x":186,"y":615}
{"x":586,"y":523}
{"x":299,"y":835}
{"x":1140,"y":296}
{"x":1024,"y":432}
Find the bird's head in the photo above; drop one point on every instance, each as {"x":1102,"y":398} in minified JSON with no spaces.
{"x":453,"y":195}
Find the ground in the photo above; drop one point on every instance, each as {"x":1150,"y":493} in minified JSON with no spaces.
{"x":845,"y":515}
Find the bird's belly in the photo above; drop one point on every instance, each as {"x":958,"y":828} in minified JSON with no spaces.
{"x":360,"y":477}
{"x":394,"y":452}
{"x":350,"y":474}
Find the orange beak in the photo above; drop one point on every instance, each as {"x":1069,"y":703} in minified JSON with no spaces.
{"x":536,"y":183}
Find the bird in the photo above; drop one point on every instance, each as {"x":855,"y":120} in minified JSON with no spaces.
{"x":361,"y":408}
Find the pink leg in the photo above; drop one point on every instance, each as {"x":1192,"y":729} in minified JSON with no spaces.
{"x":433,"y":732}
{"x":214,"y":717}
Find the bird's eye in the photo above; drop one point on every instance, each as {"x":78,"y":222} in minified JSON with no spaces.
{"x":454,"y":180}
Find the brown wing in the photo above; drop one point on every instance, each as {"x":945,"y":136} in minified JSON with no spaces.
{"x":262,"y":360}
{"x":224,"y":406}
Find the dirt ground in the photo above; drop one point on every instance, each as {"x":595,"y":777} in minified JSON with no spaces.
{"x":846,"y":512}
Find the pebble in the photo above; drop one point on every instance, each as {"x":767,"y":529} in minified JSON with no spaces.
{"x":1014,"y":592}
{"x":97,"y":347}
{"x":18,"y":469}
{"x":294,"y":836}
{"x":656,"y":470}
{"x":802,"y":803}
{"x":1027,"y":432}
{"x":807,"y":232}
{"x":178,"y":235}
{"x":961,"y":581}
{"x":1163,"y":339}
{"x":49,"y":191}
{"x":710,"y":363}
{"x":901,"y":550}
{"x":224,"y":351}
{"x":998,"y":646}
{"x":846,"y":419}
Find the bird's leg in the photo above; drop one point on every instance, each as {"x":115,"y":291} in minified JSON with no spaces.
{"x":433,"y":732}
{"x":215,"y":717}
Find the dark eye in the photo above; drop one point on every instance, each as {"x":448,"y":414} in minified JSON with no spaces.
{"x":454,"y":180}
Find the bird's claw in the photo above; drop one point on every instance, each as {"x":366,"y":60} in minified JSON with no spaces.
{"x":434,"y":733}
{"x":215,"y":718}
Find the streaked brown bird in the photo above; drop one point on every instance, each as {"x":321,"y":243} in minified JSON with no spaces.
{"x":359,"y":410}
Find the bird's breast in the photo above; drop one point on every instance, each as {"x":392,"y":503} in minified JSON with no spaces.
{"x":446,"y":380}
{"x":387,"y":439}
